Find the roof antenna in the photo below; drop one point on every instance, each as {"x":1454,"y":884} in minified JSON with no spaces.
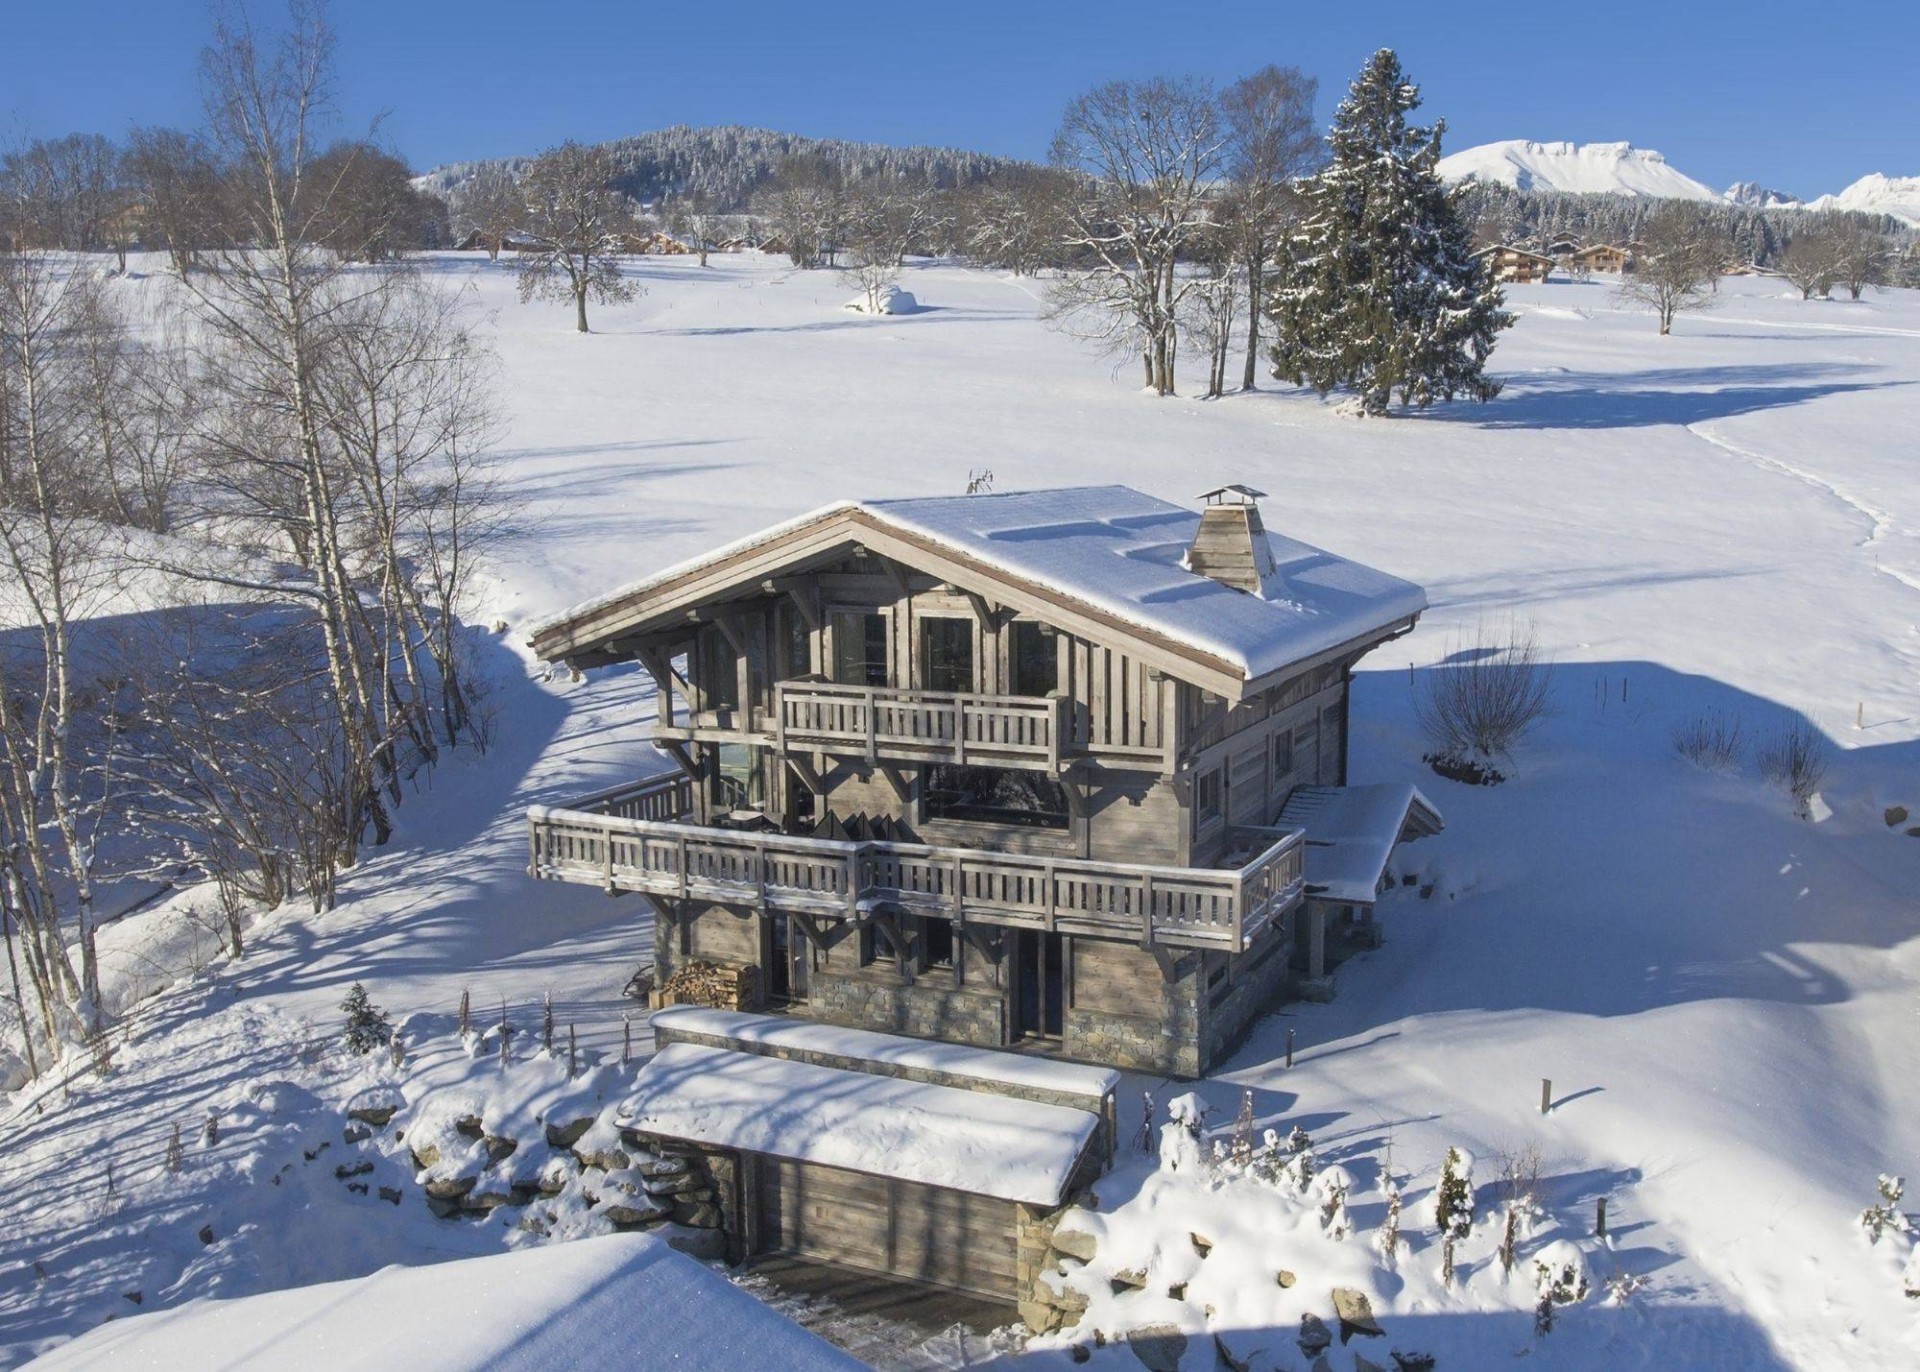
{"x":979,"y":481}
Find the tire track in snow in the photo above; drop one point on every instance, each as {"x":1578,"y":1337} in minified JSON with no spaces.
{"x":1879,"y":522}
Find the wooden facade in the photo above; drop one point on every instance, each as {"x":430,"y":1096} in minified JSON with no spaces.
{"x":1512,"y":265}
{"x":920,"y":797}
{"x":1600,"y":257}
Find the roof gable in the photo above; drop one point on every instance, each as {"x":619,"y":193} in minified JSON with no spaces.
{"x":1107,"y":561}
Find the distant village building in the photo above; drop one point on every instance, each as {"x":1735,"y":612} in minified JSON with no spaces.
{"x":1510,"y":264}
{"x":1601,"y":257}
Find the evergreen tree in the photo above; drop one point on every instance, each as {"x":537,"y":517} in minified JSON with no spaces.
{"x":367,"y":1024}
{"x":1379,"y":290}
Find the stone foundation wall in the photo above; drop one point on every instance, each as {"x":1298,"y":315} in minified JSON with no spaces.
{"x":919,"y":1009}
{"x":1262,"y":984}
{"x":1167,"y":1047}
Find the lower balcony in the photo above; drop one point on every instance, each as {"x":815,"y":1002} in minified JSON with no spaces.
{"x":640,"y":838}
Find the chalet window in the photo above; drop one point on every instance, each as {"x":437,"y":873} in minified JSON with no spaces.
{"x":936,"y":942}
{"x":946,"y":654}
{"x":799,"y":650}
{"x":1033,"y":654}
{"x":860,"y":648}
{"x":1206,"y":798}
{"x":720,"y":672}
{"x":1282,"y":754}
{"x":737,"y":784}
{"x":995,"y":795}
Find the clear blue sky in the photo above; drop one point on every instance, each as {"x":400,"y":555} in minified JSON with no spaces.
{"x":1803,"y":97}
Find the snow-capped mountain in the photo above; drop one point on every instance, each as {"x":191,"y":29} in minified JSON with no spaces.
{"x":1588,"y":168}
{"x":1756,"y":196}
{"x":1898,"y":196}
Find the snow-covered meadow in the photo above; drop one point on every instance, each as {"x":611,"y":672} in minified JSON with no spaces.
{"x":1725,"y":996}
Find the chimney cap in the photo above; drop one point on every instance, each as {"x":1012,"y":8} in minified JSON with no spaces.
{"x":1243,"y":495}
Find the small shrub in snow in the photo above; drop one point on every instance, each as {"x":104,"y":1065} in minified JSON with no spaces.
{"x":1711,"y":740}
{"x":1332,"y":1186}
{"x":1243,"y":1132}
{"x":367,"y":1025}
{"x":1623,"y":1286}
{"x":1388,"y":1239}
{"x":1886,"y":1214}
{"x":1486,"y":699}
{"x":1453,"y":1197}
{"x":175,"y":1155}
{"x":1910,"y":1279}
{"x":1296,"y":1171}
{"x":546,"y":1023}
{"x":1795,"y":760}
{"x":1180,"y":1135}
{"x":1561,"y":1275}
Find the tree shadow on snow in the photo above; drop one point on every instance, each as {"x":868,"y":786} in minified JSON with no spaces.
{"x":1659,"y":396}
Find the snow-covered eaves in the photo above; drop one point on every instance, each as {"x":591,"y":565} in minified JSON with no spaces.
{"x":1104,"y":560}
{"x":785,"y":1033}
{"x":989,"y":1145}
{"x":1352,"y":832}
{"x":578,"y":1304}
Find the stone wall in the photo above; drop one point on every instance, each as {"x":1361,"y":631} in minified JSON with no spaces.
{"x":1261,"y":983}
{"x":922,"y":1009}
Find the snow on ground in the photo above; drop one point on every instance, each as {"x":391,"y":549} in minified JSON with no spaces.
{"x":1723,"y":994}
{"x":1585,"y":168}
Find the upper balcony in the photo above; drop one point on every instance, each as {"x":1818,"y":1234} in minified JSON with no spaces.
{"x":639,"y":838}
{"x":931,"y":726}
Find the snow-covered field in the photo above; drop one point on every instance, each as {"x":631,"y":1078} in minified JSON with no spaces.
{"x":1726,"y":997}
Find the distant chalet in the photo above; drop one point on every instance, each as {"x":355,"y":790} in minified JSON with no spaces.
{"x":998,"y":770}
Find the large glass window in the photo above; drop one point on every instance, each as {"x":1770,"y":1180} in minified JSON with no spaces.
{"x":799,"y":648}
{"x":1206,"y":797}
{"x":1033,"y":651}
{"x":996,"y":795}
{"x":737,"y":778}
{"x":946,"y":654}
{"x":859,"y":648}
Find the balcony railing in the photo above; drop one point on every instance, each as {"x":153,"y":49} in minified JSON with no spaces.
{"x":944,"y":726}
{"x":613,"y":841}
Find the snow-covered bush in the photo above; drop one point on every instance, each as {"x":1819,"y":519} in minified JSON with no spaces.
{"x":1331,"y":1187}
{"x":1488,"y":696}
{"x":1561,"y":1279}
{"x":367,"y":1027}
{"x":1296,"y":1168}
{"x":1711,"y":740}
{"x":1387,"y":1238}
{"x":1885,"y":1214}
{"x":1180,"y":1135}
{"x":1453,"y":1197}
{"x":1795,"y":760}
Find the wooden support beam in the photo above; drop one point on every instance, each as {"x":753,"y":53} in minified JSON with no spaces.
{"x":1169,"y":963}
{"x":803,"y":592}
{"x":895,"y":779}
{"x":659,"y":666}
{"x":900,"y":576}
{"x":734,"y":631}
{"x":805,"y":770}
{"x":674,"y":749}
{"x":984,"y":610}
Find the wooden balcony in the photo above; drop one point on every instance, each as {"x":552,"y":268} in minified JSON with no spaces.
{"x":935,"y":726}
{"x":620,"y":841}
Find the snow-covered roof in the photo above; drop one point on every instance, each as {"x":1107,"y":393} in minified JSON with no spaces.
{"x":949,"y":1059}
{"x":563,"y":1305}
{"x":938,"y":1135}
{"x":1118,"y":551}
{"x":1351,"y":833}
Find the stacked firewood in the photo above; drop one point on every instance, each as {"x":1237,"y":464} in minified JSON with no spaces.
{"x":718,"y":986}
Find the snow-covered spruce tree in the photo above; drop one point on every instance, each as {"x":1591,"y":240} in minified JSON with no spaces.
{"x":367,"y":1025}
{"x":1378,"y":291}
{"x":1453,"y":1198}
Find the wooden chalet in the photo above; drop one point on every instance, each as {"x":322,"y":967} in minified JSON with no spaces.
{"x":994,"y":769}
{"x":1510,"y":264}
{"x":1600,"y":257}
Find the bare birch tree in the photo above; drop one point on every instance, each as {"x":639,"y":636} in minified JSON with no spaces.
{"x":1271,"y":142}
{"x":1147,"y":154}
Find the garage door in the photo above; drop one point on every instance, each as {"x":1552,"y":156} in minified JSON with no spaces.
{"x":904,"y":1229}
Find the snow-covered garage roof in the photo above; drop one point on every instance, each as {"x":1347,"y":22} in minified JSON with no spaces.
{"x":928,"y":1055}
{"x":1111,"y":550}
{"x":563,"y":1305}
{"x":1351,"y":833}
{"x":991,"y":1145}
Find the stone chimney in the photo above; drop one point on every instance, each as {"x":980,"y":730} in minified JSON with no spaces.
{"x":1230,"y":545}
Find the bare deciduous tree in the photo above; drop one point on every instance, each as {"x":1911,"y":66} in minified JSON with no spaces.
{"x":1811,"y":260}
{"x":575,"y":220}
{"x":491,"y":206}
{"x":1677,"y":266}
{"x":173,"y":174}
{"x":1148,"y":154}
{"x":1271,"y":142}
